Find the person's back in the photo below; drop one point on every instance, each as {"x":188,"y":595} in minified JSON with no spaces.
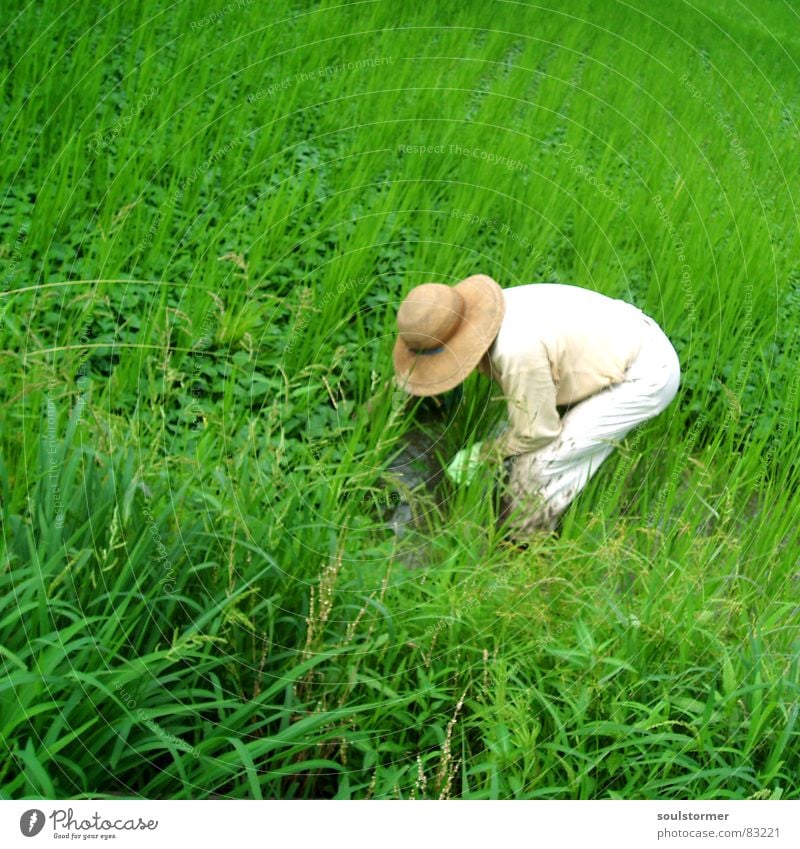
{"x":588,"y":339}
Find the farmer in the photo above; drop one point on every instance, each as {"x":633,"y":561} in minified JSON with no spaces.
{"x":578,"y":370}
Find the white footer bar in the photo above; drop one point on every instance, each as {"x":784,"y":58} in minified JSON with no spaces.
{"x":405,"y":825}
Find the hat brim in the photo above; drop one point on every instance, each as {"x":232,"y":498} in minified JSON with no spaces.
{"x":432,"y":374}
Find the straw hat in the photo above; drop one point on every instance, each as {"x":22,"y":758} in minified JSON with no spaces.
{"x":444,"y":331}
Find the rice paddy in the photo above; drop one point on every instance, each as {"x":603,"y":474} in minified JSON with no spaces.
{"x":210,"y":215}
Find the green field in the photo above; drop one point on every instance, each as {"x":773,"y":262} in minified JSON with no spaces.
{"x":209,"y":216}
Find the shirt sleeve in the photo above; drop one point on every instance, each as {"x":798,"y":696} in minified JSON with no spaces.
{"x":533,"y":416}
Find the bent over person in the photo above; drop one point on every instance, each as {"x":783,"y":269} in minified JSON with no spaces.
{"x":602,"y":361}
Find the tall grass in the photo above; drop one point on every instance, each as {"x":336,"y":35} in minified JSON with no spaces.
{"x":208,"y":221}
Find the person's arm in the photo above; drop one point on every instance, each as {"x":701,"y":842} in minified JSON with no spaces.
{"x":533,"y":418}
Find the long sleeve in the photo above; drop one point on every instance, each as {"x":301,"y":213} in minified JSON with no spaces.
{"x":533,"y":417}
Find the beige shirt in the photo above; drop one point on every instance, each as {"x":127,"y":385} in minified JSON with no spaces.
{"x":556,"y":346}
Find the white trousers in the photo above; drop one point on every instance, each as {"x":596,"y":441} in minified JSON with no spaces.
{"x":543,"y":483}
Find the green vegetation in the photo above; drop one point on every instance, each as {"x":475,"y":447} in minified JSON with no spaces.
{"x":209,"y":216}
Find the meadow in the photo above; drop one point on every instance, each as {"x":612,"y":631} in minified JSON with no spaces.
{"x":210,"y":214}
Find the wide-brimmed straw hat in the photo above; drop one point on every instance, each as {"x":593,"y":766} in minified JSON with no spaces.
{"x":444,"y":331}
